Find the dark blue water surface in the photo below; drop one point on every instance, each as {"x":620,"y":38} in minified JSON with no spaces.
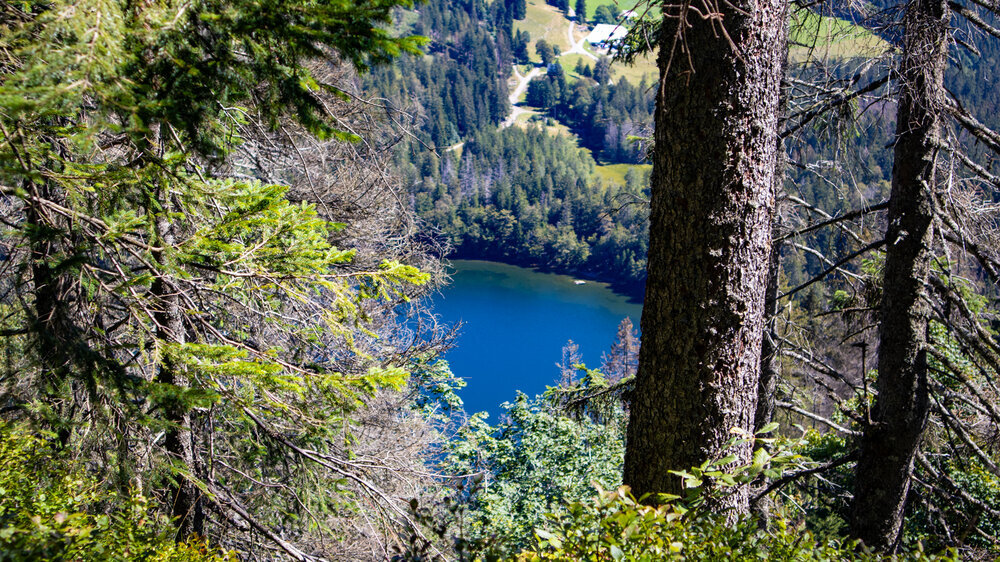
{"x":515,"y":322}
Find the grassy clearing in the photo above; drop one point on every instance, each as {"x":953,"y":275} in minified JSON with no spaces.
{"x":615,"y":173}
{"x":551,"y":126}
{"x":403,"y":22}
{"x":644,"y":66}
{"x":544,"y":22}
{"x":816,"y":37}
{"x":568,"y":63}
{"x":592,"y":6}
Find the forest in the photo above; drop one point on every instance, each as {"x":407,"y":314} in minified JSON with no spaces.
{"x":223,"y":223}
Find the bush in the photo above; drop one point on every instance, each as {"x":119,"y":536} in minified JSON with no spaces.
{"x":50,"y":509}
{"x":615,"y":527}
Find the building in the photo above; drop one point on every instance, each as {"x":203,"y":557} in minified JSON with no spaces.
{"x":604,"y":35}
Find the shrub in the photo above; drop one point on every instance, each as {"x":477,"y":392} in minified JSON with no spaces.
{"x":50,"y":509}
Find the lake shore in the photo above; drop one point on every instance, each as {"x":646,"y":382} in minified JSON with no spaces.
{"x":634,"y":290}
{"x":515,"y":323}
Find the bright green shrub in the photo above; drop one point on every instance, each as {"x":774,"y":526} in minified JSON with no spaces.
{"x":536,"y":459}
{"x":615,"y":527}
{"x":50,"y":509}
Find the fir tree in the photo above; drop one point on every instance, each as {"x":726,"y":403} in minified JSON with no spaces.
{"x":205,"y":323}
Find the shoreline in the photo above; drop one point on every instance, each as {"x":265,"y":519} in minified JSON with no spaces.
{"x":635,"y":294}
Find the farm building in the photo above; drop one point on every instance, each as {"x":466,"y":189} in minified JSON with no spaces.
{"x":605,"y":34}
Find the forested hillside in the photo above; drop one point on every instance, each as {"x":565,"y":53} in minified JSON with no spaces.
{"x":501,"y":190}
{"x":459,"y":86}
{"x":525,"y":197}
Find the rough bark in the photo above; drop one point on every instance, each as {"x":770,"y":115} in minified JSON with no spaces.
{"x":710,"y":237}
{"x":890,"y":442}
{"x":770,"y":360}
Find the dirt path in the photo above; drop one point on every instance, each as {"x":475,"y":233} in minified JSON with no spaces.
{"x":577,"y":46}
{"x":522,"y":85}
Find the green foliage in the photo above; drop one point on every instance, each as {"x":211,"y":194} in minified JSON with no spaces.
{"x":605,"y":14}
{"x":51,"y":509}
{"x":175,"y":309}
{"x":213,"y":55}
{"x":615,"y":527}
{"x":535,"y":460}
{"x":546,"y":210}
{"x":460,"y":87}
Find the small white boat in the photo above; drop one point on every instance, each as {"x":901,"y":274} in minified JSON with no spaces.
{"x":579,"y":282}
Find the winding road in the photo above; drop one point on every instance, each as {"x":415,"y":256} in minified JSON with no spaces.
{"x":522,"y":85}
{"x":577,"y":46}
{"x":522,"y":82}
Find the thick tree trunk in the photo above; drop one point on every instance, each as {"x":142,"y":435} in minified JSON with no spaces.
{"x":710,"y":238}
{"x":889,"y":444}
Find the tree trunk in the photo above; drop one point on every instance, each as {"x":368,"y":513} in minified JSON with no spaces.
{"x":184,"y":498}
{"x":54,"y":331}
{"x":770,"y":360}
{"x":890,"y":442}
{"x":712,"y":201}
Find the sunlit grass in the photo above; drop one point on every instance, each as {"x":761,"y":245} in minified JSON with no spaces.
{"x":816,"y":37}
{"x":543,"y":21}
{"x":615,"y":173}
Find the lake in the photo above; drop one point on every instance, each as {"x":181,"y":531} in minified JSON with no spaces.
{"x":515,"y":322}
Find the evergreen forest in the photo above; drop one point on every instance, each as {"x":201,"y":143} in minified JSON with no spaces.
{"x":224,"y":225}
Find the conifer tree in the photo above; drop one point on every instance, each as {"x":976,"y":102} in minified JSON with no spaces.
{"x":890,"y":443}
{"x":710,"y":239}
{"x":193,"y":328}
{"x":545,"y":51}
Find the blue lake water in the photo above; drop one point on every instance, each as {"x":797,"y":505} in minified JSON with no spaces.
{"x":515,"y":322}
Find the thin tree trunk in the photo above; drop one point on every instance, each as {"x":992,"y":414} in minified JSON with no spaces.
{"x":53,"y":329}
{"x":183,"y":497}
{"x":710,"y":238}
{"x":890,"y":442}
{"x":770,"y":361}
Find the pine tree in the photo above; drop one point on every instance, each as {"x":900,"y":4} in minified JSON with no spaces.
{"x":710,"y":226}
{"x":602,"y":70}
{"x":520,"y":9}
{"x":520,"y":48}
{"x":623,"y":358}
{"x":545,"y":51}
{"x":889,"y":444}
{"x":205,"y":323}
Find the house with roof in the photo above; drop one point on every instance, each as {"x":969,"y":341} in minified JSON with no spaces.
{"x":605,"y":35}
